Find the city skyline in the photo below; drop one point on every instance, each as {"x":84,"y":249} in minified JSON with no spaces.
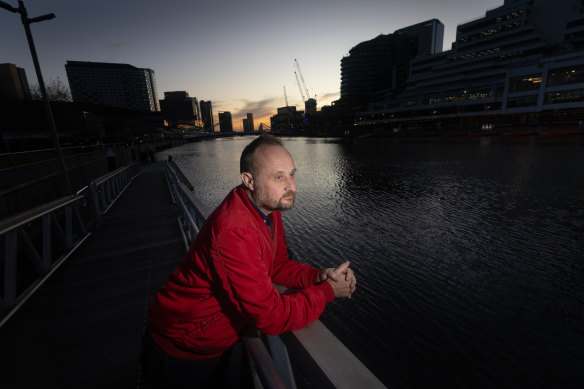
{"x":237,"y":55}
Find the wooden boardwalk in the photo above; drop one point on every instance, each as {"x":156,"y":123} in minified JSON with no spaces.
{"x":83,"y":327}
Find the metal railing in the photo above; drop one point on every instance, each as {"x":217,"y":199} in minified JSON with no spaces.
{"x":35,"y":243}
{"x":324,"y":360}
{"x":191,"y":218}
{"x":106,"y":189}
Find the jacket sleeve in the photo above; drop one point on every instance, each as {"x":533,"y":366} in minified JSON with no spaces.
{"x":237,"y":261}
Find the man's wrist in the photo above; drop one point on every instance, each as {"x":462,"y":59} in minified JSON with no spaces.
{"x":327,"y":289}
{"x":317,"y":279}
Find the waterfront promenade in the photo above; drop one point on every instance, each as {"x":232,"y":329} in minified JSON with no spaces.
{"x":83,"y":327}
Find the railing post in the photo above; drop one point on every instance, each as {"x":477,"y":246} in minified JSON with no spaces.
{"x":10,"y":268}
{"x":108,"y":192}
{"x":47,"y":241}
{"x":116,"y":184}
{"x":279,"y":354}
{"x":102,"y":194}
{"x":94,"y":197}
{"x":264,"y":365}
{"x":68,"y":226}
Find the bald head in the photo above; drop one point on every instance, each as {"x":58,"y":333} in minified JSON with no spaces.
{"x":247,"y":160}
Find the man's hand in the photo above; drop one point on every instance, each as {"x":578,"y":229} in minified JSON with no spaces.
{"x":338,"y":278}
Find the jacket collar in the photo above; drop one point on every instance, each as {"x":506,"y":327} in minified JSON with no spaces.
{"x":266,"y":218}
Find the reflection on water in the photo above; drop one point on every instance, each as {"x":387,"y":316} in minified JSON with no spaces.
{"x":468,"y":251}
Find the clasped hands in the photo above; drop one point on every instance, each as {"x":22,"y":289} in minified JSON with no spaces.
{"x":342,"y":279}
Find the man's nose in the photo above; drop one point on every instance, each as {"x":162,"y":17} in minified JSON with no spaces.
{"x":291,"y":184}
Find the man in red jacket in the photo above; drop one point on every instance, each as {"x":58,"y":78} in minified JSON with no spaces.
{"x":226,"y":281}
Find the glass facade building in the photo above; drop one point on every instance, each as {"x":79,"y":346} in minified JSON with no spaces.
{"x":207,"y":115}
{"x":116,"y":85}
{"x":225,"y":122}
{"x":250,"y":125}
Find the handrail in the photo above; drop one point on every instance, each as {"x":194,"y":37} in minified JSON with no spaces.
{"x":47,"y":235}
{"x":332,"y":358}
{"x":180,"y":175}
{"x":326,"y":361}
{"x":106,"y":189}
{"x":191,"y":219}
{"x":16,"y":221}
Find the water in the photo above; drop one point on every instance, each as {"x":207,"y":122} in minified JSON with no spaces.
{"x":468,"y":251}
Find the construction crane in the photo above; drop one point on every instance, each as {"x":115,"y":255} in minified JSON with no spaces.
{"x":297,"y":65}
{"x":285,"y":97}
{"x":299,"y":87}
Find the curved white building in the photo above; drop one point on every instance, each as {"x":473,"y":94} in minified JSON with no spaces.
{"x":520,"y":68}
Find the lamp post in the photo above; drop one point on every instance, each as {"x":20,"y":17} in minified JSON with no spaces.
{"x":26,"y":21}
{"x":462,"y":107}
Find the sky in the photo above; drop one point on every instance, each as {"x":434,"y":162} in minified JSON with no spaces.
{"x":238,"y":54}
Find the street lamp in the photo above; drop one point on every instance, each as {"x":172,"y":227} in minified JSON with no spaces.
{"x":26,"y":21}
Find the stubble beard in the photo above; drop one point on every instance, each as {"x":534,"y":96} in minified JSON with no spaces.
{"x":281,"y":206}
{"x":271,"y":205}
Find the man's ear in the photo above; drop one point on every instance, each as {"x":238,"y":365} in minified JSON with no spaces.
{"x":247,"y":180}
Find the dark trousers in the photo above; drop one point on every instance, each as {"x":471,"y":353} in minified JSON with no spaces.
{"x":160,"y":370}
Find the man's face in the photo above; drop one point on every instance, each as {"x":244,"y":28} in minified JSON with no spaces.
{"x":274,"y":185}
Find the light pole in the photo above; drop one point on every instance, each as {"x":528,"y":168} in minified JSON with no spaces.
{"x":26,"y":21}
{"x":462,"y":108}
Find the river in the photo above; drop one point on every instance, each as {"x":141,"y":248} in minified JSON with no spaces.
{"x":469,"y":251}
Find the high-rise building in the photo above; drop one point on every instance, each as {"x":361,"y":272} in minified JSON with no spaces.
{"x":250,"y":122}
{"x":287,"y":119}
{"x":225,"y":123}
{"x":179,"y":107}
{"x":521,"y":65}
{"x":13,"y":82}
{"x":207,"y":115}
{"x":309,"y":107}
{"x":430,"y":36}
{"x":379,"y":67}
{"x":245,"y":125}
{"x":113,"y":84}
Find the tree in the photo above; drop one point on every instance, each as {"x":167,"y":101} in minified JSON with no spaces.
{"x":56,"y":91}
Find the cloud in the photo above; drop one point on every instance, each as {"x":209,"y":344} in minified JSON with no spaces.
{"x":261,"y":107}
{"x":262,"y":110}
{"x":327,"y":98}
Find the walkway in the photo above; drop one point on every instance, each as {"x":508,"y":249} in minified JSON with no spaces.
{"x":83,"y":327}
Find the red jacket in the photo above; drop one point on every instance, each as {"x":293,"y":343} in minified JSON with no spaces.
{"x":226,"y":282}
